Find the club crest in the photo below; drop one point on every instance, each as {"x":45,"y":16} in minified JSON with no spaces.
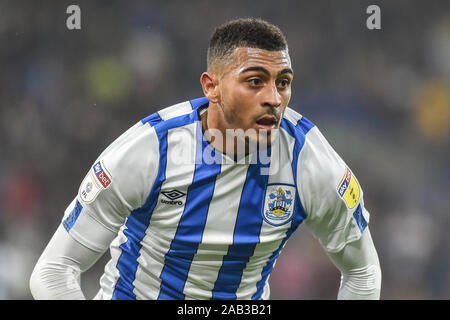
{"x":279,"y":204}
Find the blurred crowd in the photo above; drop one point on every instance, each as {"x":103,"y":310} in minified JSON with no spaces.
{"x":381,"y":97}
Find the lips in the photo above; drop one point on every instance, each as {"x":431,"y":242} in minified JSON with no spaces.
{"x":267,"y":122}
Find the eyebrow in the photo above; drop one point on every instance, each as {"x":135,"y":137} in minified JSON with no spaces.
{"x":264,"y":70}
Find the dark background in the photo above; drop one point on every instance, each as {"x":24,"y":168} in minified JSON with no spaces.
{"x":381,"y":97}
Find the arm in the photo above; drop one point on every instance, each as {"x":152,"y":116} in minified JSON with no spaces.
{"x":337,"y":217}
{"x":117,"y":183}
{"x":360,"y":269}
{"x":57,"y":273}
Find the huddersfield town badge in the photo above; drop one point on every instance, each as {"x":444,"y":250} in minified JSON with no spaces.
{"x":279,"y":204}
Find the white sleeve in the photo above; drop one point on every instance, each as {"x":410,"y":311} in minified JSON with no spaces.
{"x":118,"y":182}
{"x":330,"y":193}
{"x":334,"y":205}
{"x":56,"y":275}
{"x":360,"y":269}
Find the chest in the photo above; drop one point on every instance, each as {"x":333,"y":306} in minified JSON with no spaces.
{"x":219,"y":204}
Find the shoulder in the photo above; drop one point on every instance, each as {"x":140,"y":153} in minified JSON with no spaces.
{"x":329,"y":191}
{"x":135,"y":155}
{"x":296,"y":124}
{"x":145,"y":134}
{"x":176,"y":115}
{"x":314,"y":151}
{"x":311,"y":148}
{"x":319,"y":168}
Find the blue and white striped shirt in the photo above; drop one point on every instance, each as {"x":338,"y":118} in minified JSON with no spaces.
{"x":180,"y":228}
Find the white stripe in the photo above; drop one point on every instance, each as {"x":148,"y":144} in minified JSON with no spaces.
{"x":270,"y":236}
{"x":292,"y":115}
{"x":109,"y":279}
{"x":252,"y":272}
{"x":218,"y":232}
{"x":176,"y":110}
{"x":165,"y":217}
{"x":282,"y":159}
{"x":111,"y":275}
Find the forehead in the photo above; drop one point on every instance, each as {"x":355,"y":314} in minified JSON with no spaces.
{"x":245,"y":57}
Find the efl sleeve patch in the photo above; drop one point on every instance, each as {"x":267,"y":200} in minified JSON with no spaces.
{"x":348,"y":189}
{"x":103,"y":176}
{"x":95,"y":181}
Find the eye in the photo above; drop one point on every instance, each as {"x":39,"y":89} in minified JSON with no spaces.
{"x":255,"y":82}
{"x":284,"y":83}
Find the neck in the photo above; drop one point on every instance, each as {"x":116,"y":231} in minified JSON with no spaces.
{"x":211,"y":128}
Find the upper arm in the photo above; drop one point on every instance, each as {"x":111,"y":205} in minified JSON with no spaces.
{"x":331,"y":194}
{"x":334,"y":203}
{"x":118,"y":182}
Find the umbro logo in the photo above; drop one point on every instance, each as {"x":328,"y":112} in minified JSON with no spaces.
{"x":173,"y":195}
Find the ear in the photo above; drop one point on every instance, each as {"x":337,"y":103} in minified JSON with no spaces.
{"x":210,"y":85}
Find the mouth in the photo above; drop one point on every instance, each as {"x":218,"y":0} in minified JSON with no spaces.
{"x":267,"y":122}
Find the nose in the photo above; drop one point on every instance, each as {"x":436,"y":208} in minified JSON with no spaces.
{"x":272,"y":97}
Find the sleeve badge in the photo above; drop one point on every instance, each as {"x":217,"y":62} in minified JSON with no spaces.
{"x":96,"y":180}
{"x":348,"y":189}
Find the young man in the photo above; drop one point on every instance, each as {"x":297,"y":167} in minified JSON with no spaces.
{"x":188,"y":214}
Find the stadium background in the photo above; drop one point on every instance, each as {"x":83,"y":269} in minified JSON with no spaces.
{"x":381,"y":97}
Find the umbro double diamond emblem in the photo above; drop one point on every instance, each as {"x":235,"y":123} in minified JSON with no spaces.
{"x":172,"y":195}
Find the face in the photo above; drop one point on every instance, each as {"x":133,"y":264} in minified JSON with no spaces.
{"x":252,"y":91}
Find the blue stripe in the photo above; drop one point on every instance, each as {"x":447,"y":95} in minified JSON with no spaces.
{"x":360,"y":220}
{"x":298,"y":132}
{"x":152,"y":119}
{"x":298,"y":216}
{"x":139,"y":219}
{"x":246,"y":234}
{"x":136,"y":226}
{"x":73,"y":216}
{"x":190,"y":228}
{"x":269,"y":267}
{"x":162,"y":127}
{"x":196,"y":103}
{"x":155,"y":118}
{"x":305,"y":125}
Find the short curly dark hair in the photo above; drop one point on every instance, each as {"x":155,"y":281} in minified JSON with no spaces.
{"x":244,"y":32}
